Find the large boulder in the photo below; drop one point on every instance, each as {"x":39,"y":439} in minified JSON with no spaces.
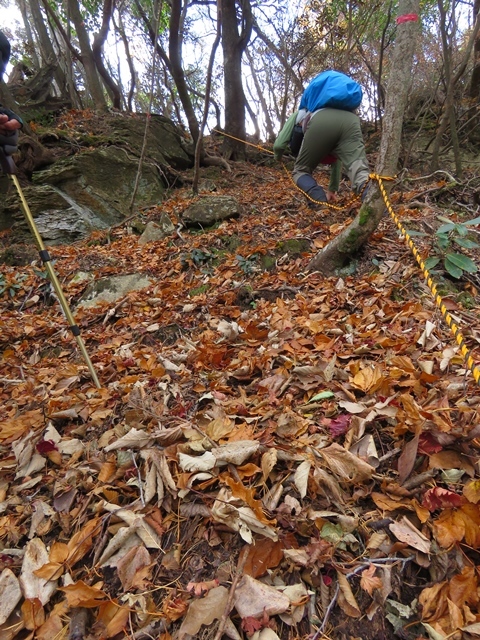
{"x":93,"y":189}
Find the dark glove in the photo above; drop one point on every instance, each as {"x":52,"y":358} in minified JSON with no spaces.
{"x":9,"y":142}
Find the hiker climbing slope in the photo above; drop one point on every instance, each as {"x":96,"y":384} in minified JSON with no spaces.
{"x":331,"y":135}
{"x":10,"y":123}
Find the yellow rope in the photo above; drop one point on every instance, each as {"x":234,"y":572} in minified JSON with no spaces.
{"x":428,"y":278}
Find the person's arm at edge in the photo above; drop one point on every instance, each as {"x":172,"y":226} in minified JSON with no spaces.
{"x":283,"y":138}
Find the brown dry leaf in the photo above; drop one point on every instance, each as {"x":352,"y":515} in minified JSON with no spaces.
{"x":248,"y":496}
{"x":454,"y":525}
{"x":51,"y":628}
{"x":448,"y":459}
{"x":10,"y":594}
{"x":407,"y":459}
{"x":369,"y":581}
{"x":388,"y":503}
{"x":82,"y":541}
{"x":369,"y":379}
{"x":118,"y":623}
{"x":33,"y":614}
{"x":406,"y":532}
{"x":203,"y":612}
{"x":346,"y":599}
{"x":80,"y":594}
{"x":269,"y":460}
{"x":134,"y":568}
{"x":471,"y":491}
{"x":263,"y":555}
{"x":220,"y":428}
{"x":33,"y":586}
{"x":174,"y":607}
{"x":345,"y":465}
{"x":253,"y":598}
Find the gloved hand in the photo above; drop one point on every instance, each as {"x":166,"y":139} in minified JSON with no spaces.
{"x":9,"y":142}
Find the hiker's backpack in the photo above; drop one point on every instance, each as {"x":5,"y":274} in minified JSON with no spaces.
{"x":331,"y":89}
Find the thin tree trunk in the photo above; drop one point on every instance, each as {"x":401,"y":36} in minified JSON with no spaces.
{"x":451,"y":82}
{"x":260,"y":92}
{"x":475,"y":79}
{"x":94,"y":86}
{"x":175,"y":54}
{"x":337,"y":252}
{"x":48,"y":53}
{"x":131,"y":66}
{"x":97,"y":49}
{"x":234,"y":43}
{"x":199,"y":145}
{"x":28,"y":30}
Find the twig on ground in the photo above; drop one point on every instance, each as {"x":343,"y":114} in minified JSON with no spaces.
{"x":242,"y":558}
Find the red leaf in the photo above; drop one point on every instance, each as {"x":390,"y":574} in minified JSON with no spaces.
{"x":438,"y":498}
{"x":250,"y":625}
{"x":428,"y":445}
{"x":339,"y":426}
{"x":46,"y":446}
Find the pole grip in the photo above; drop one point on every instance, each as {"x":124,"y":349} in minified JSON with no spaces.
{"x":6,"y":163}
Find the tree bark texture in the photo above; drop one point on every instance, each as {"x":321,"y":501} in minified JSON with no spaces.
{"x":337,"y":252}
{"x":475,"y":80}
{"x":47,"y":51}
{"x":97,"y":48}
{"x":94,"y":86}
{"x":234,"y":42}
{"x":175,"y":55}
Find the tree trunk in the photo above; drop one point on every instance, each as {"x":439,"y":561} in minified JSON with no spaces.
{"x":131,"y":66}
{"x":266,"y":113}
{"x":208,"y":87}
{"x":337,"y":252}
{"x":475,"y":80}
{"x":97,"y":49}
{"x":448,"y":113}
{"x":175,"y":54}
{"x":28,"y":30}
{"x":48,"y":53}
{"x":94,"y":86}
{"x":234,"y":43}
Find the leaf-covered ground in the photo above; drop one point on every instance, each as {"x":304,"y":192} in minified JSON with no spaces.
{"x":271,"y":454}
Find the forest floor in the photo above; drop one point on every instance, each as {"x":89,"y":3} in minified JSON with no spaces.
{"x":272,"y":454}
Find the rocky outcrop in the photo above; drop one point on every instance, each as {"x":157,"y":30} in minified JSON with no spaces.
{"x":93,"y":188}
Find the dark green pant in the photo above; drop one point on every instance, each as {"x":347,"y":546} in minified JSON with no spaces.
{"x":332,"y":131}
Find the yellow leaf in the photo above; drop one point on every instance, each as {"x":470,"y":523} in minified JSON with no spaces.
{"x":471,"y":491}
{"x":368,"y":379}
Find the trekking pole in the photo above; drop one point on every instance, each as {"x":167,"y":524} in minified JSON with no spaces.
{"x":8,"y":166}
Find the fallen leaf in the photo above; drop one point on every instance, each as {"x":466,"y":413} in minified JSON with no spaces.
{"x":254,"y":598}
{"x":11,"y":594}
{"x":406,"y":532}
{"x":346,"y":599}
{"x":81,"y":594}
{"x":204,"y":611}
{"x":369,"y":581}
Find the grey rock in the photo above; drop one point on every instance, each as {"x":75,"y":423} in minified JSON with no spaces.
{"x":211,"y":209}
{"x":113,"y":289}
{"x":157,"y":230}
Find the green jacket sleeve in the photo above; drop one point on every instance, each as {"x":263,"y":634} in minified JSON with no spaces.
{"x":283,"y":138}
{"x":335,"y":176}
